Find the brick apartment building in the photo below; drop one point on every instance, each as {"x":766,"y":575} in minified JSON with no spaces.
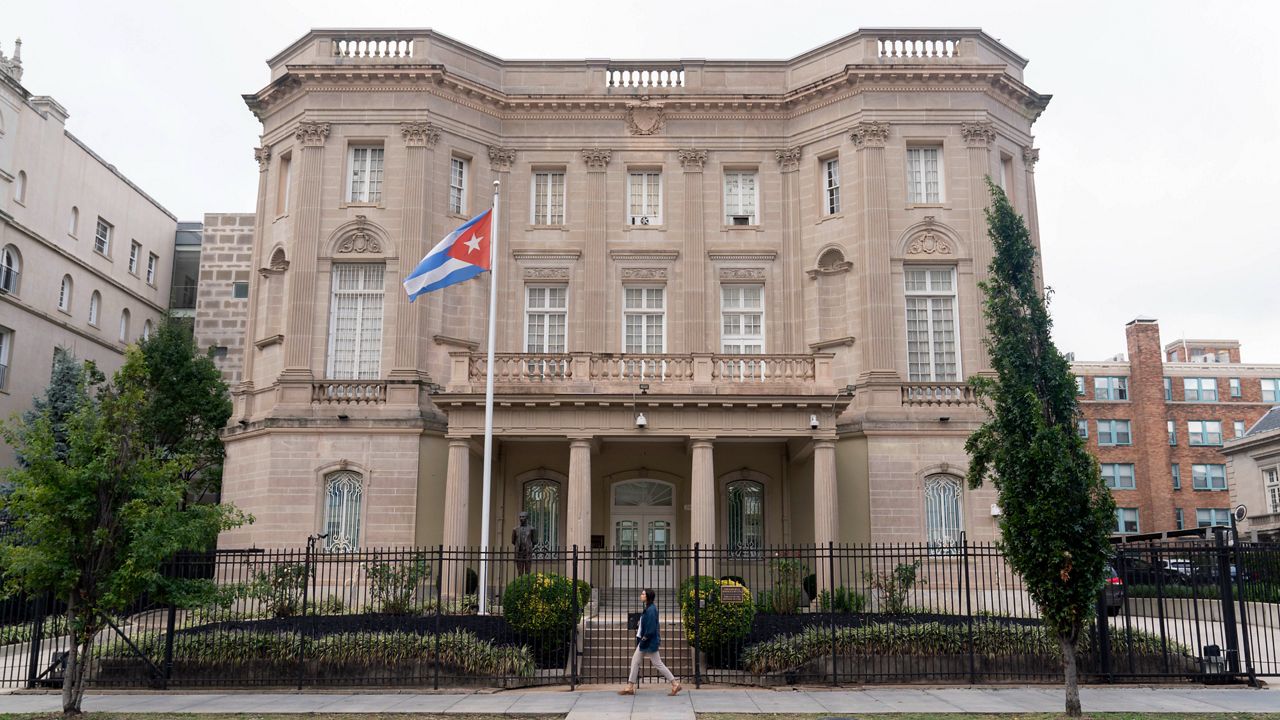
{"x":1157,"y":423}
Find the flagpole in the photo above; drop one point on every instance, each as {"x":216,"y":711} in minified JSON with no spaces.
{"x":482,"y":590}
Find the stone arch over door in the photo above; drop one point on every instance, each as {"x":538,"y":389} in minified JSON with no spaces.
{"x":943,"y":511}
{"x":933,"y":241}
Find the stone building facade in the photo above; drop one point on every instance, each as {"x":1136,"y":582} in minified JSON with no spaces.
{"x":1158,"y":423}
{"x":222,"y":304}
{"x":773,"y":263}
{"x":1253,"y":475}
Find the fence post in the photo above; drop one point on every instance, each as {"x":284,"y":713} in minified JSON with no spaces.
{"x":697,"y":631}
{"x":1244,"y":608}
{"x":169,"y":629}
{"x":435,"y":682}
{"x":1104,"y":635}
{"x":831,"y":607}
{"x":306,"y":589}
{"x":573,"y":634}
{"x":37,"y":639}
{"x":966,"y":584}
{"x":1227,"y":602}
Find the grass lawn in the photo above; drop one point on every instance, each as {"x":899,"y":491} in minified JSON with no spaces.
{"x":287,"y":716}
{"x":988,"y":716}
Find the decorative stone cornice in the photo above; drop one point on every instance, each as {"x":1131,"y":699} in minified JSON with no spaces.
{"x":311,"y":133}
{"x":263,"y":156}
{"x":978,"y":134}
{"x":526,"y":254}
{"x":788,"y":159}
{"x":546,"y":273}
{"x":870,"y":133}
{"x":420,"y":133}
{"x":596,"y":159}
{"x":644,"y":273}
{"x":645,"y":119}
{"x":641,"y":254}
{"x":501,"y":158}
{"x":692,"y":160}
{"x":742,"y":255}
{"x":741,"y":274}
{"x":1030,"y":156}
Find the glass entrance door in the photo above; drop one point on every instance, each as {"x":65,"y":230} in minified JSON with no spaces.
{"x":642,"y":544}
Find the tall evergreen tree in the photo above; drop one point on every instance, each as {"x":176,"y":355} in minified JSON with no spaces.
{"x":1056,"y":513}
{"x":69,"y":383}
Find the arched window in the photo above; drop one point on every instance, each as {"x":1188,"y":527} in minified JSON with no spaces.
{"x":146,"y":329}
{"x":344,"y":492}
{"x":124,"y":325}
{"x":64,"y":294}
{"x":542,"y":502}
{"x":20,"y":187}
{"x":745,"y":503}
{"x":95,"y":304}
{"x":74,"y":226}
{"x":10,"y":269}
{"x":943,"y":519}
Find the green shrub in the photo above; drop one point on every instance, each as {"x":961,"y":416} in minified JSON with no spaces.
{"x":54,"y":626}
{"x":736,"y":578}
{"x":331,"y":605}
{"x":540,"y":604}
{"x":720,"y":626}
{"x":845,"y":601}
{"x":895,"y":585}
{"x":393,"y":585}
{"x":280,"y":589}
{"x":787,"y":592}
{"x":1253,"y":591}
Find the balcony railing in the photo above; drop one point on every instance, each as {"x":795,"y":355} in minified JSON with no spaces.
{"x":944,"y":394}
{"x":360,"y":392}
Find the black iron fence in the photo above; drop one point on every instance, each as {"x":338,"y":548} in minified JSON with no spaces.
{"x":1203,"y":610}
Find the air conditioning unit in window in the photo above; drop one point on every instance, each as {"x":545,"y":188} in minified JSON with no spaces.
{"x":643,"y":220}
{"x":739,"y":219}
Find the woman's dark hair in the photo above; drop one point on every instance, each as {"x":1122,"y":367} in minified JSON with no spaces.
{"x":649,"y":595}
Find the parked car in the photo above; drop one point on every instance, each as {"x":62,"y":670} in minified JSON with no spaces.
{"x":1136,"y":571}
{"x":1113,"y":592}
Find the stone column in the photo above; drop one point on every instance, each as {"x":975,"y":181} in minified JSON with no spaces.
{"x":825,"y":506}
{"x":457,"y":494}
{"x":306,"y":248}
{"x":695,"y":254}
{"x":1030,"y":156}
{"x":510,"y":305}
{"x":792,"y":322}
{"x":419,"y":139}
{"x":578,"y":520}
{"x":877,"y":282}
{"x":978,"y":136}
{"x":702,"y":515}
{"x":595,"y":284}
{"x":263,"y":156}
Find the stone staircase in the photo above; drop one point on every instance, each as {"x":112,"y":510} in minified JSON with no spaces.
{"x":609,"y":639}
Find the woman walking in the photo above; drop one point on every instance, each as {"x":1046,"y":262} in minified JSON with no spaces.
{"x":647,"y":646}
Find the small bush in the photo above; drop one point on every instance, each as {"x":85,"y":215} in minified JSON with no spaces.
{"x":720,"y":626}
{"x":54,"y":626}
{"x":540,"y":604}
{"x":895,"y":585}
{"x":331,"y":605}
{"x":787,"y":593}
{"x":280,"y":589}
{"x":393,"y":585}
{"x":845,"y":601}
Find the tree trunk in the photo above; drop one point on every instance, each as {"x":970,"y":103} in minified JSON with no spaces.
{"x":70,"y":698}
{"x":1070,"y":676}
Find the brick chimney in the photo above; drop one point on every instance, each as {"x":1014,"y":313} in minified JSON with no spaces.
{"x":1152,"y":456}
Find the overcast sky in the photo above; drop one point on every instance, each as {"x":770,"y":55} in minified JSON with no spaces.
{"x":1157,"y":180}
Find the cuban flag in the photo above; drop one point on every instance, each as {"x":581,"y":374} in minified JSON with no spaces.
{"x":460,"y":256}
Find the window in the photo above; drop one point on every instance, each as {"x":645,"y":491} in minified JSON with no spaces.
{"x":1173,"y":432}
{"x":1111,"y":388}
{"x":644,"y":198}
{"x":831,"y":186}
{"x":545,"y":313}
{"x":64,"y":294}
{"x":1082,"y":429}
{"x":924,"y":175}
{"x":1079,"y":385}
{"x":135,"y":251}
{"x":1114,"y":432}
{"x":1119,"y":476}
{"x":1270,"y":478}
{"x":542,"y":502}
{"x":932,"y":347}
{"x":355,"y":324}
{"x":1208,"y":517}
{"x":152,"y":261}
{"x":366,"y":174}
{"x":745,"y":503}
{"x":146,"y":329}
{"x":1238,"y":427}
{"x":1208,"y":477}
{"x":344,"y":493}
{"x":1270,"y":390}
{"x":1204,"y":432}
{"x":457,"y":186}
{"x":20,"y":187}
{"x":1168,"y":390}
{"x":1234,"y":384}
{"x":10,"y":269}
{"x":95,"y":304}
{"x":1176,"y":471}
{"x":124,"y":325}
{"x":240,"y":290}
{"x":644,"y":319}
{"x":102,"y":237}
{"x":1200,"y":389}
{"x":6,"y":346}
{"x":73,"y":226}
{"x":943,"y":519}
{"x":1126,"y":521}
{"x":1006,"y":175}
{"x":741,"y":198}
{"x":742,"y":319}
{"x":1177,"y":515}
{"x":548,"y":198}
{"x":284,"y":182}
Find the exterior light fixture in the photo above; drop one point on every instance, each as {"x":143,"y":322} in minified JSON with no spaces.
{"x":641,"y":422}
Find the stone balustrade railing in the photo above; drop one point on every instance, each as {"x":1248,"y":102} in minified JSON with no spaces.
{"x":633,"y":76}
{"x":918,"y":47}
{"x":357,"y":46}
{"x":954,"y":394}
{"x":362,"y":392}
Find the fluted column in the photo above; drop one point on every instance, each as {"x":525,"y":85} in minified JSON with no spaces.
{"x":979,"y":136}
{"x":702,"y":513}
{"x":596,"y":284}
{"x":825,"y":500}
{"x":792,"y":322}
{"x":695,"y":254}
{"x":419,"y":139}
{"x":1030,"y":156}
{"x":457,"y":494}
{"x":877,"y":291}
{"x":578,"y":520}
{"x":306,"y":241}
{"x":263,"y":156}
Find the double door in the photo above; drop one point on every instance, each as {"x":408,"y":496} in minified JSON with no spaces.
{"x":641,"y":549}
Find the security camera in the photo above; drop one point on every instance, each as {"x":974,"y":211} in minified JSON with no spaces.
{"x":641,"y":422}
{"x":813,"y":422}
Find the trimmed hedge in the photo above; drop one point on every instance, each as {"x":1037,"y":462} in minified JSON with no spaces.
{"x":540,"y":605}
{"x":722,"y":625}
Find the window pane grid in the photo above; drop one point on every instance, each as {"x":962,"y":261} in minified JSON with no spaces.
{"x":644,"y":320}
{"x":545,"y":313}
{"x":644,"y":196}
{"x":457,"y":185}
{"x":931,"y":332}
{"x":832,"y":179}
{"x":923,"y":176}
{"x":548,"y":198}
{"x":356,"y":326}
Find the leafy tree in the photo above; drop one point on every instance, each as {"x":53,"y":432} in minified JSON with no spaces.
{"x":98,"y":522}
{"x":69,"y":383}
{"x":1056,"y":512}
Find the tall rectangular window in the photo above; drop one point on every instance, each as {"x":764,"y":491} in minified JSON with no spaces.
{"x":366,"y":174}
{"x":1271,"y":480}
{"x":831,"y":186}
{"x":924,"y":175}
{"x":355,"y":322}
{"x":1176,"y":471}
{"x":1208,"y":477}
{"x":1080,"y":385}
{"x":1168,"y":390}
{"x":1234,"y":384}
{"x":548,"y":198}
{"x":6,"y":348}
{"x":1114,"y":432}
{"x":135,"y":250}
{"x":741,"y":197}
{"x":1200,"y":389}
{"x":1111,"y":388}
{"x":742,"y":319}
{"x":932,"y":345}
{"x":1238,"y":427}
{"x":1204,"y":432}
{"x":644,"y":197}
{"x":1126,"y":521}
{"x":457,"y":186}
{"x":152,"y":261}
{"x":1173,"y":432}
{"x":1271,"y":390}
{"x":1118,"y":476}
{"x":644,"y":319}
{"x":102,"y":237}
{"x":283,"y":183}
{"x":1177,"y":516}
{"x":1209,"y":517}
{"x":545,"y":312}
{"x":1082,"y":429}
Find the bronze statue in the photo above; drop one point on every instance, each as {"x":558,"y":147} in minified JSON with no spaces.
{"x":524,"y":537}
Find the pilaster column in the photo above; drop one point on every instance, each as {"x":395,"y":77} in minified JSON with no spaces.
{"x":824,"y":503}
{"x":510,"y":311}
{"x":263,"y":156}
{"x":978,"y":136}
{"x":702,"y":515}
{"x":695,"y":255}
{"x":578,"y":522}
{"x":789,"y":162}
{"x":1031,"y":156}
{"x":596,"y":285}
{"x":457,"y":494}
{"x":419,"y":139}
{"x":877,"y":282}
{"x":306,"y":240}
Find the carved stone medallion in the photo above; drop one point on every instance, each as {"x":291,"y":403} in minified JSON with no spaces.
{"x":360,"y":240}
{"x":929,"y":243}
{"x":645,"y":119}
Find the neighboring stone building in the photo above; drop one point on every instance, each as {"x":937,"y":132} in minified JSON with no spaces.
{"x":1253,"y":473}
{"x":222,"y":304}
{"x":85,"y":255}
{"x":1158,"y":422}
{"x":721,"y":247}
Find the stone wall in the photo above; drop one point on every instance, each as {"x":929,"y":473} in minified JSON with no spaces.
{"x":226,"y":258}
